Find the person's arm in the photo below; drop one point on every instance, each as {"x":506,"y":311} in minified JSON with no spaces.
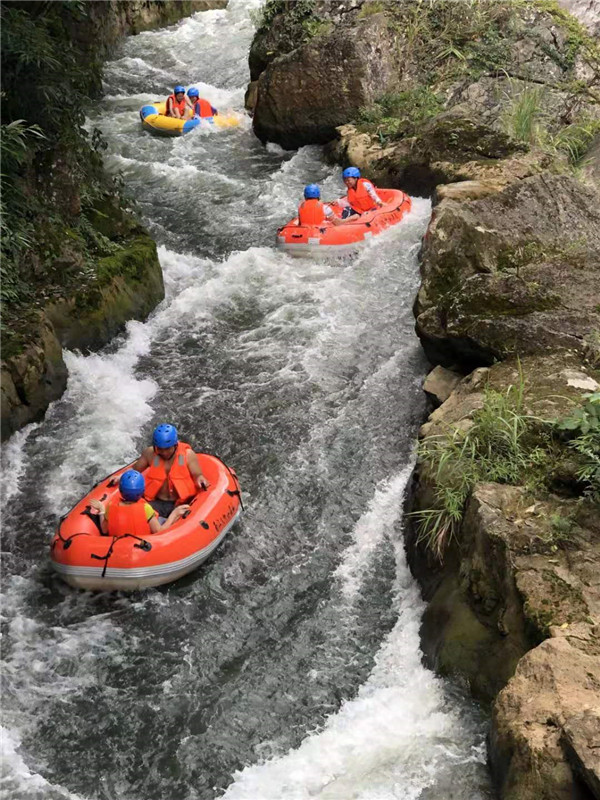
{"x":330,"y":216}
{"x":144,"y":461}
{"x":178,"y":511}
{"x":196,"y":470}
{"x":101,"y":509}
{"x":373,"y":194}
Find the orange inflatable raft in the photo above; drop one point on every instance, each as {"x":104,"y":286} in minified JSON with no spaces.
{"x":86,"y":559}
{"x":329,"y":239}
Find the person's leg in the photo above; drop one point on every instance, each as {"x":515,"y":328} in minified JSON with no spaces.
{"x":349,"y":212}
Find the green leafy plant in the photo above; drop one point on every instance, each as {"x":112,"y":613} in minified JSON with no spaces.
{"x":582,"y":430}
{"x":496,"y":445}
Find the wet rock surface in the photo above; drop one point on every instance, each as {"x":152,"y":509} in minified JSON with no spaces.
{"x":303,"y":96}
{"x":513,"y":272}
{"x":581,"y":740}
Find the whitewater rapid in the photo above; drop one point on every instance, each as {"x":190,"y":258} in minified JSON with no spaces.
{"x":288,"y":666}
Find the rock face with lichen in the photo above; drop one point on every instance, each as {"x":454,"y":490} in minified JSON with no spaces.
{"x":455,"y":71}
{"x":514,"y":605}
{"x":304,"y":96}
{"x":514,"y":271}
{"x":128,"y":285}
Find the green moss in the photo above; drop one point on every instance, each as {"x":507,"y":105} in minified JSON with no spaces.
{"x":511,"y":259}
{"x":371,"y":7}
{"x":517,"y":299}
{"x":553,"y":602}
{"x":400,"y":114}
{"x":578,"y":39}
{"x":129,"y":262}
{"x":313,"y":26}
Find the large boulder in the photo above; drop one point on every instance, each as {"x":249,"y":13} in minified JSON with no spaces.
{"x":515,"y":272}
{"x":581,"y":739}
{"x":302,"y":96}
{"x":553,"y":684}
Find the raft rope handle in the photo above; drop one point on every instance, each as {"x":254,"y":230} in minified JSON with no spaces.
{"x":233,"y":474}
{"x":145,"y":546}
{"x":66,"y":542}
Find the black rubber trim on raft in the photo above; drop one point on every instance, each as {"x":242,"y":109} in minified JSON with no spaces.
{"x":145,"y":546}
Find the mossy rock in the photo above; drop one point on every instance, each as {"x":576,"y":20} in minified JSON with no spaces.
{"x":550,"y":601}
{"x":112,"y":221}
{"x":129,"y":285}
{"x":457,"y":138}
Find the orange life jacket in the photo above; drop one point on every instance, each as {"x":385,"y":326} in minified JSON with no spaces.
{"x":174,"y":104}
{"x":203,"y":108}
{"x":359,"y":198}
{"x":310,"y":212}
{"x":128,"y":518}
{"x":181,"y":482}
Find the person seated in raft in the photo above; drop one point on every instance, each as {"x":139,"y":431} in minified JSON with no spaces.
{"x":174,"y":474}
{"x":178,"y":105}
{"x":130,"y":513}
{"x":312,"y":211}
{"x":362,"y":195}
{"x":200,"y":107}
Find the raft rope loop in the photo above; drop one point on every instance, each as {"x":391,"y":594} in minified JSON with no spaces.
{"x":145,"y":546}
{"x":86,"y":512}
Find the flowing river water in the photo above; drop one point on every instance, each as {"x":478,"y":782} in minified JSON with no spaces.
{"x":288,"y":666}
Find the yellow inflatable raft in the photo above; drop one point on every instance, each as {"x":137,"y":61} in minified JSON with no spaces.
{"x":153,"y":116}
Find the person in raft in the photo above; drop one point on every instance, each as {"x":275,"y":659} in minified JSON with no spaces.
{"x":178,"y":105}
{"x":200,"y":107}
{"x":362,"y":195}
{"x":130,"y":513}
{"x":174,"y":473}
{"x":312,"y":211}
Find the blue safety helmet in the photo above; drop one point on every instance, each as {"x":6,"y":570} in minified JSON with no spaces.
{"x":312,"y":191}
{"x":132,"y":485}
{"x":164,"y":436}
{"x":193,"y":92}
{"x":179,"y":88}
{"x":351,"y":172}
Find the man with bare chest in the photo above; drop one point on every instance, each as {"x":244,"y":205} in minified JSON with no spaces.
{"x":173,"y":474}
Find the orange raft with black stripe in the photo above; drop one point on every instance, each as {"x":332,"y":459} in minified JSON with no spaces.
{"x":87,"y":559}
{"x":329,"y":239}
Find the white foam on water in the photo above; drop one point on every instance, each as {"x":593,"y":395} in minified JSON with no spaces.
{"x":220,"y":98}
{"x":17,"y":782}
{"x":377,"y":523}
{"x":42,"y":664}
{"x":14,"y":462}
{"x":386,"y":744}
{"x":110,"y":406}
